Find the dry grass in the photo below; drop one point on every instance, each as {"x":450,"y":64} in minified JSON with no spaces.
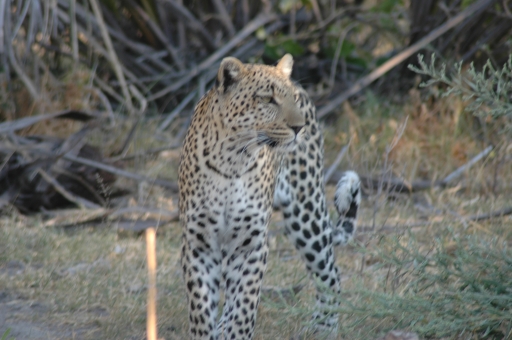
{"x":92,"y":280}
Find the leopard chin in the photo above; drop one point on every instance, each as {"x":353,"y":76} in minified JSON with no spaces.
{"x":281,"y":140}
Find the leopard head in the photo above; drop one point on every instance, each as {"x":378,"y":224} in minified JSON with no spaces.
{"x":258,"y":105}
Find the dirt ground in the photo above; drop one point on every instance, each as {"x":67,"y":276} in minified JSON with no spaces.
{"x":19,"y":317}
{"x":22,"y":318}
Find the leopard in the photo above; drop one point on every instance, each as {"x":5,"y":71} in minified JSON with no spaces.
{"x":254,"y":145}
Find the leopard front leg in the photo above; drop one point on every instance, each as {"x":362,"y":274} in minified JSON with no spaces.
{"x":243,"y":268}
{"x":201,"y":264}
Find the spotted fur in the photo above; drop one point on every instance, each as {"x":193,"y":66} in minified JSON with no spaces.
{"x":235,"y":150}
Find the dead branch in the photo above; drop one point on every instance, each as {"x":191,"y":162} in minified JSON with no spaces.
{"x":471,"y":218}
{"x":112,"y":55}
{"x":79,"y":201}
{"x":256,"y":23}
{"x":8,"y":127}
{"x":161,"y":36}
{"x":119,"y":172}
{"x":144,"y":153}
{"x":334,"y":165}
{"x":466,"y":166}
{"x":133,"y":218}
{"x":224,"y":17}
{"x":401,"y":186}
{"x":170,"y":117}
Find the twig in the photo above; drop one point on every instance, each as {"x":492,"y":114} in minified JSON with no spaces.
{"x":293,"y":12}
{"x":80,"y":201}
{"x":3,"y":40}
{"x":105,"y":87}
{"x":466,"y":166}
{"x":316,"y":10}
{"x":77,"y":217}
{"x":224,"y":17}
{"x":119,"y":36}
{"x":492,"y":214}
{"x":143,"y":105}
{"x":112,"y":55}
{"x":124,"y":147}
{"x":505,"y":7}
{"x":161,"y":36}
{"x":336,"y":162}
{"x":104,"y":101}
{"x":143,"y":153}
{"x":31,"y":88}
{"x":170,"y":215}
{"x":256,"y":23}
{"x":22,"y":123}
{"x":73,"y":34}
{"x":396,"y":60}
{"x":143,"y":101}
{"x":341,"y":41}
{"x":170,"y":117}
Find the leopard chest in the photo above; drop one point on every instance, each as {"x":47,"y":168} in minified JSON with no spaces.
{"x":228,"y":197}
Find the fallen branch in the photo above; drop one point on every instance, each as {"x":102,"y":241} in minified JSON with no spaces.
{"x":22,"y":123}
{"x":401,"y":186}
{"x":471,"y":218}
{"x":79,"y":201}
{"x":135,"y":218}
{"x":116,"y":171}
{"x":466,"y":166}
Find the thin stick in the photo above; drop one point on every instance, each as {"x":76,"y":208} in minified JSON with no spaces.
{"x":170,"y":117}
{"x":161,"y":36}
{"x":144,"y":153}
{"x":151,"y":257}
{"x":316,"y":10}
{"x":80,"y":201}
{"x":337,"y":161}
{"x":466,"y":166}
{"x":31,"y":88}
{"x":341,"y":41}
{"x":492,"y":214}
{"x":396,"y":60}
{"x":224,"y":17}
{"x":116,"y":64}
{"x":73,"y":34}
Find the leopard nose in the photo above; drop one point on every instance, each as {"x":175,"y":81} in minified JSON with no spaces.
{"x":296,"y":129}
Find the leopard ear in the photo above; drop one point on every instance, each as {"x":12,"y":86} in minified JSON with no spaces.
{"x":285,"y":65}
{"x":230,"y":71}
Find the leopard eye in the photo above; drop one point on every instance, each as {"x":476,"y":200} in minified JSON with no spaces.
{"x":266,"y":99}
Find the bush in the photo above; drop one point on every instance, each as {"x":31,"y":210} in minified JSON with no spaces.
{"x":489,"y":91}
